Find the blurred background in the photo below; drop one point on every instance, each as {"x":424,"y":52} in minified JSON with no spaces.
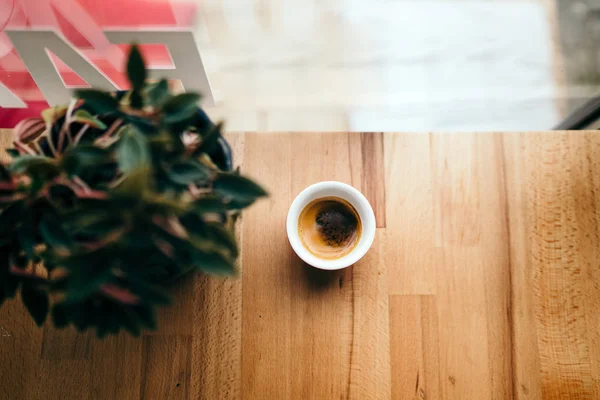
{"x":386,"y":65}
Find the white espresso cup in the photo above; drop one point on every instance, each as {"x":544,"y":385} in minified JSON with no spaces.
{"x":342,"y":191}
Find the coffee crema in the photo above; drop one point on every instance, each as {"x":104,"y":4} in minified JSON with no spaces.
{"x":329,"y":227}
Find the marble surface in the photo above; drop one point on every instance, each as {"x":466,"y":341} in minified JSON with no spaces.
{"x":349,"y":65}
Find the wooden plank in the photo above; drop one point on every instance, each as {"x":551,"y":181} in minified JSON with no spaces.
{"x":59,"y":380}
{"x":461,"y":303}
{"x":217,"y":330}
{"x":494,"y":242}
{"x":556,"y":206}
{"x":489,"y":252}
{"x":20,"y":349}
{"x":267,"y":279}
{"x":66,"y":344}
{"x":456,"y":190}
{"x":39,"y":363}
{"x":178,"y":319}
{"x":588,"y":216}
{"x":468,"y":288}
{"x":286,"y":358}
{"x":373,"y":172}
{"x":116,"y":367}
{"x":166,"y":367}
{"x":313,"y":330}
{"x":5,"y":143}
{"x":473,"y":258}
{"x":409,"y":214}
{"x":414,"y":341}
{"x":217,"y":340}
{"x":370,"y":368}
{"x":526,"y":363}
{"x":365,"y":153}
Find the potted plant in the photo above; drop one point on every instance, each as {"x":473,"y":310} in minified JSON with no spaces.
{"x":109,"y":198}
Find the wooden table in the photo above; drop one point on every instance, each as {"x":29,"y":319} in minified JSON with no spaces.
{"x":483,"y":283}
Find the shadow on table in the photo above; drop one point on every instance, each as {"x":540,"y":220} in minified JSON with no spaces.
{"x":318,"y":279}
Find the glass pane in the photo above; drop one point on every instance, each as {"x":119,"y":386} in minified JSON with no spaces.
{"x":381,"y":65}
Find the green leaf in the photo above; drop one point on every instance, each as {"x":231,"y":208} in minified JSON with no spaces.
{"x":98,"y":101}
{"x":213,"y":263}
{"x":134,"y":185}
{"x":188,"y":172}
{"x":209,"y":204}
{"x":8,"y":285}
{"x":239,"y":204}
{"x":142,"y":124}
{"x":128,"y":320}
{"x":79,"y":160}
{"x":86,"y":279}
{"x":36,"y":302}
{"x":101,"y":328}
{"x":158,"y":93}
{"x":237,"y":188}
{"x":11,"y":215}
{"x":53,"y":233}
{"x":135,"y":100}
{"x":145,"y":315}
{"x":180,"y":108}
{"x":147,"y":291}
{"x":3,"y":296}
{"x":26,"y":162}
{"x":133,"y":151}
{"x":4,"y":174}
{"x":89,"y":154}
{"x":136,"y":68}
{"x":210,"y":141}
{"x":50,"y":115}
{"x":60,"y":315}
{"x":84,"y":117}
{"x":222,"y":236}
{"x":19,"y":260}
{"x":165,"y":205}
{"x":110,"y":318}
{"x":88,"y":219}
{"x":81,"y":315}
{"x":26,"y":236}
{"x":13,"y":153}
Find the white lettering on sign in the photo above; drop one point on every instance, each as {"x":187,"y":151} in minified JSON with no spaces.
{"x":33,"y":47}
{"x":188,"y":67}
{"x":10,"y":100}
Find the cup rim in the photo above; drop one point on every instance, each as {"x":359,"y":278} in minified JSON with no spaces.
{"x":346,"y":192}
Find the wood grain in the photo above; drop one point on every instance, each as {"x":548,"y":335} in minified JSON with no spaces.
{"x":166,"y":367}
{"x":20,"y":352}
{"x":217,"y":323}
{"x":60,"y":379}
{"x":562,"y":230}
{"x":409,"y":212}
{"x":371,"y":170}
{"x":414,"y":347}
{"x":117,"y":368}
{"x":65,"y":344}
{"x":340,"y":345}
{"x":497,"y":272}
{"x":483,"y":283}
{"x":525,"y":355}
{"x":5,"y":143}
{"x":455,"y":190}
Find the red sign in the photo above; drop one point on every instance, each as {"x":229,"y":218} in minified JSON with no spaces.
{"x":83,"y":24}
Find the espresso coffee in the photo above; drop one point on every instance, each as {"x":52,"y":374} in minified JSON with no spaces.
{"x":329,"y":227}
